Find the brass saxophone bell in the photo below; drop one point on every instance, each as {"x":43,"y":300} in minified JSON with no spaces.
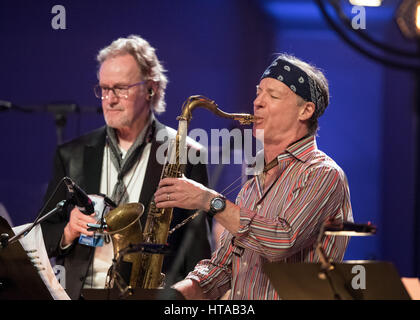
{"x":124,"y":227}
{"x":123,"y":217}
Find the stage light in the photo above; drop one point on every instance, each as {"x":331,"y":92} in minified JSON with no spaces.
{"x":366,"y":3}
{"x":408,"y":18}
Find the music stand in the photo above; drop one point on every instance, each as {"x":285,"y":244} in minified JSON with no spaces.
{"x":138,"y":294}
{"x":327,"y":280}
{"x":19,"y":279}
{"x":301,"y":281}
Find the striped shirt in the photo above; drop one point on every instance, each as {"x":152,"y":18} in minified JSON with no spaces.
{"x":279,"y":223}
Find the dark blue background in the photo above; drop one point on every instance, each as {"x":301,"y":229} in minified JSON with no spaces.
{"x":217,"y":48}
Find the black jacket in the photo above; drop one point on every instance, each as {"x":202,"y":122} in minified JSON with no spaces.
{"x":81,"y":160}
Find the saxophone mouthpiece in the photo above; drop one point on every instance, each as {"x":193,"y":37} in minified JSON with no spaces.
{"x":245,"y":118}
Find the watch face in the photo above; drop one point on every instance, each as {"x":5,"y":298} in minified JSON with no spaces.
{"x":218,"y":204}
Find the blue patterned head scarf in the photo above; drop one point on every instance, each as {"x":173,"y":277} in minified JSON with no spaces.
{"x":298,"y":81}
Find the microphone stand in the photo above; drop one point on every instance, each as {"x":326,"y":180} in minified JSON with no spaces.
{"x":60,"y":110}
{"x":326,"y":265}
{"x":4,"y":238}
{"x":340,"y":229}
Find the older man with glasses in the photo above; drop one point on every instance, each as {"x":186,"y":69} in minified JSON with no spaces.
{"x":119,"y":160}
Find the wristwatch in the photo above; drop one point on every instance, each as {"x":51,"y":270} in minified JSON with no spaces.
{"x":217,"y":204}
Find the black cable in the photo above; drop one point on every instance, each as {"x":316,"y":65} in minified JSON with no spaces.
{"x":48,"y":201}
{"x":33,"y":224}
{"x":384,"y":61}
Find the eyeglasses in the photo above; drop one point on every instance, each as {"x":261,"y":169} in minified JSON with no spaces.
{"x":119,"y":91}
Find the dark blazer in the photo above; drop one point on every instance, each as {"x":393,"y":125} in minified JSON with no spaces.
{"x":81,"y":160}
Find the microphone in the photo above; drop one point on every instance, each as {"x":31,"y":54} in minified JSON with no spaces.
{"x":81,"y":199}
{"x":5,"y":105}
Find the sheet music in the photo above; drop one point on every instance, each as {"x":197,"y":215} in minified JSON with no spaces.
{"x":33,"y":244}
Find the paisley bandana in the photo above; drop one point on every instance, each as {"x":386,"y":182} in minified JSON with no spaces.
{"x":298,"y":81}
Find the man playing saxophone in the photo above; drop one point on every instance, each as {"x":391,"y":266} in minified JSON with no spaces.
{"x":120,"y":160}
{"x":279,"y":212}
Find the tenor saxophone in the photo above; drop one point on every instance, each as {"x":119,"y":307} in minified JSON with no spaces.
{"x":158,"y":221}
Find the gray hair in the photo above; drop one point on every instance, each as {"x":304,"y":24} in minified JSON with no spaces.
{"x":145,"y":56}
{"x":318,"y":76}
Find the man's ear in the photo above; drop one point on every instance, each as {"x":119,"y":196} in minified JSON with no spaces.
{"x":306,"y":111}
{"x":151,"y":89}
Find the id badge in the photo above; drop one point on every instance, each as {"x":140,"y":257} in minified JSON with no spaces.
{"x":95,"y":241}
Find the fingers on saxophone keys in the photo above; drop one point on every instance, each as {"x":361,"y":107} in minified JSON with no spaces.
{"x":165,"y":200}
{"x":165,"y":197}
{"x":162,"y":193}
{"x":167,"y":182}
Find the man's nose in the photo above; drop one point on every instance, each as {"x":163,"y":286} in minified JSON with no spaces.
{"x":111,"y":97}
{"x":258,"y":102}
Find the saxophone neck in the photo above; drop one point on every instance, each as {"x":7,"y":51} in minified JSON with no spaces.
{"x":195,"y":101}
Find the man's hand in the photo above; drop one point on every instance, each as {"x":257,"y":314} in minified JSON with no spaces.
{"x":188,"y":194}
{"x":183,"y":193}
{"x":190,"y":289}
{"x":76,"y":226}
